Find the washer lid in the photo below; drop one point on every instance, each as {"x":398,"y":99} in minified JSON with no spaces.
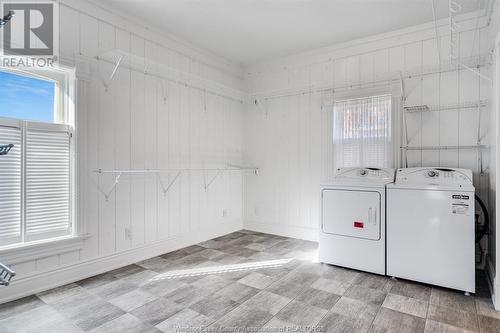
{"x":358,"y":176}
{"x":434,"y":178}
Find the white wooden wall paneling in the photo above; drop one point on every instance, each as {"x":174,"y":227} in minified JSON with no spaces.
{"x":122,"y":122}
{"x":174,"y":155}
{"x":137,"y":148}
{"x":88,"y":44}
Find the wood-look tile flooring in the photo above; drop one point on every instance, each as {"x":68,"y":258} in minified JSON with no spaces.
{"x":248,"y":281}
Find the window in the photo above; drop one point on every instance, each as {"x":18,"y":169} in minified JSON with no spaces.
{"x":27,"y":98}
{"x":36,"y":175}
{"x":362,"y":134}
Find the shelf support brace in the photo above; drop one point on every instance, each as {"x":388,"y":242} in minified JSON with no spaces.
{"x":166,"y":189}
{"x":113,"y":73}
{"x":482,"y":76}
{"x":207,"y":185}
{"x":117,"y":64}
{"x":113,"y":187}
{"x":260,"y":105}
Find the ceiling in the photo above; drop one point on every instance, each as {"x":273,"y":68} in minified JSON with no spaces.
{"x":249,"y":31}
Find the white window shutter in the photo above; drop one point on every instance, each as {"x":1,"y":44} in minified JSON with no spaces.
{"x":10,"y":185}
{"x":48,"y":181}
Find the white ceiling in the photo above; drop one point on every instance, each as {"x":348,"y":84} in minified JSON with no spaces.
{"x":249,"y":31}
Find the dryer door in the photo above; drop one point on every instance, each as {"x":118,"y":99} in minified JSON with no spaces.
{"x":351,"y":213}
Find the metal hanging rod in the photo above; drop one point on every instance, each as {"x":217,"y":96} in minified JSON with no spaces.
{"x":139,"y":171}
{"x":158,"y":172}
{"x":444,"y":147}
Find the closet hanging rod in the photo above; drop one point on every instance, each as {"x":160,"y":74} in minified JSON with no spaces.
{"x":139,"y":171}
{"x":444,"y":147}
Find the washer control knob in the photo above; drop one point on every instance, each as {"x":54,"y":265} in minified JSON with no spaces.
{"x":362,"y":172}
{"x":432,"y":173}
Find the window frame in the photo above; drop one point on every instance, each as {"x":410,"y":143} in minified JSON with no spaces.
{"x":64,"y":79}
{"x":395,"y":93}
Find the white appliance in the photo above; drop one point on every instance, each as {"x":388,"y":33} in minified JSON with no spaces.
{"x":430,"y":227}
{"x":353,"y":219}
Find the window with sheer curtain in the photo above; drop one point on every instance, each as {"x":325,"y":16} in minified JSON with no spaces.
{"x":362,"y":132}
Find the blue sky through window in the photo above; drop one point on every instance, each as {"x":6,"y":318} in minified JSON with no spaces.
{"x":26,"y":98}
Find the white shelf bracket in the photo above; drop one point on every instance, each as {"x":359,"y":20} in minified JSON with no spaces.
{"x":482,"y":76}
{"x":260,"y":105}
{"x":170,"y":184}
{"x":207,"y":185}
{"x":113,"y":73}
{"x":108,"y":193}
{"x":164,"y":92}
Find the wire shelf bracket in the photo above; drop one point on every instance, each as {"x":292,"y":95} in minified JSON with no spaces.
{"x":107,"y":194}
{"x":117,"y":63}
{"x":207,"y":185}
{"x":170,"y":184}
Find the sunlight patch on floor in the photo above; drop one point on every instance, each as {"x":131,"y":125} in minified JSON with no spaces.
{"x":221,"y":269}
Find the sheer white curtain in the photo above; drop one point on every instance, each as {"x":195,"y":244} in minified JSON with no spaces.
{"x":362,"y":132}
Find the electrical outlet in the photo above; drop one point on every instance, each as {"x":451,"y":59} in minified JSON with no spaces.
{"x":256,"y":211}
{"x":224,"y":212}
{"x":128,"y":234}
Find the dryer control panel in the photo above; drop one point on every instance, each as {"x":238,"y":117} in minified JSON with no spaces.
{"x":365,"y":174}
{"x":434,"y":176}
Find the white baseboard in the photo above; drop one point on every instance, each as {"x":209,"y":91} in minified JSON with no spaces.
{"x":491,"y":275}
{"x":305,"y":233}
{"x":495,"y":296}
{"x":47,"y":280}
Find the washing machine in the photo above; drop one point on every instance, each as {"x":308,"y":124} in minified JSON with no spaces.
{"x":352,"y":232}
{"x":430,"y":227}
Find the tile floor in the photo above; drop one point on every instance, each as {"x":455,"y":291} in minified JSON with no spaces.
{"x":253,"y":280}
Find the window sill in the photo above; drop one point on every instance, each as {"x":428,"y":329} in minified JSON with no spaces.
{"x":34,"y":250}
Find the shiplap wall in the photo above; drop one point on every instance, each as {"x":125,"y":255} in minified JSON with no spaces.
{"x":142,"y":122}
{"x":290,"y":138}
{"x":493,"y":166}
